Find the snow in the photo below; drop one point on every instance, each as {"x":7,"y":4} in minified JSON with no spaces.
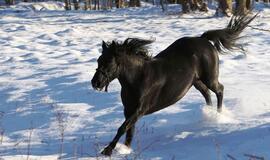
{"x":48,"y":58}
{"x":210,"y":115}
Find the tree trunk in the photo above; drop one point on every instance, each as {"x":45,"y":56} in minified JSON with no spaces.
{"x":104,"y":4}
{"x":241,"y":7}
{"x":76,"y":4}
{"x":87,"y":4}
{"x":138,"y":3}
{"x":224,"y":7}
{"x":120,"y":3}
{"x":90,"y":4}
{"x":134,"y":3}
{"x":117,"y":3}
{"x":162,"y":5}
{"x":203,"y":7}
{"x":67,"y":5}
{"x":249,"y":4}
{"x":185,"y":6}
{"x":193,"y":5}
{"x":10,"y":2}
{"x":110,"y":4}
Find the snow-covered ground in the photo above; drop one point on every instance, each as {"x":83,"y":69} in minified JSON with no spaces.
{"x":48,"y":58}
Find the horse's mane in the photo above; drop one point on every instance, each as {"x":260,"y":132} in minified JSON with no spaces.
{"x":135,"y":46}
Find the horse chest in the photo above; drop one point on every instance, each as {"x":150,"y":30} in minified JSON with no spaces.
{"x":129,"y":98}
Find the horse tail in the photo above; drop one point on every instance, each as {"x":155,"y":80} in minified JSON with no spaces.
{"x":225,"y":39}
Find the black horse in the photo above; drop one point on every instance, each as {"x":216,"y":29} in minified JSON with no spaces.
{"x":150,"y":84}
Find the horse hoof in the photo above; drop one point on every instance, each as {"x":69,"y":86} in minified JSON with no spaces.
{"x":107,"y":151}
{"x":219,"y":110}
{"x":127,"y":144}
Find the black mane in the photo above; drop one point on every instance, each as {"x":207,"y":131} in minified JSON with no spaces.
{"x":133,"y":46}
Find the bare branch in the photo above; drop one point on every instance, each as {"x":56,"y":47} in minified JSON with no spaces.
{"x":254,"y":157}
{"x":231,"y":157}
{"x":260,"y":29}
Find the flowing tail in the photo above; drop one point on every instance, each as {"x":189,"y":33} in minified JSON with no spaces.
{"x":225,"y":39}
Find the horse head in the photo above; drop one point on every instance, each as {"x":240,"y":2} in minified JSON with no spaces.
{"x":108,"y":68}
{"x":114,"y":58}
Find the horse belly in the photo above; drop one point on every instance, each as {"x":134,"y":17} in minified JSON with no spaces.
{"x":171,"y":93}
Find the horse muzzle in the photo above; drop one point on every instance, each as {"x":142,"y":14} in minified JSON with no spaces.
{"x":99,"y":85}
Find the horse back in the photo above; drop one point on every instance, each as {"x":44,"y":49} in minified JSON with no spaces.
{"x":198,"y":52}
{"x":186,"y":46}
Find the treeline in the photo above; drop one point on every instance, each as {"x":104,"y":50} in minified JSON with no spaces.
{"x":100,"y":4}
{"x":224,"y":6}
{"x":241,"y":6}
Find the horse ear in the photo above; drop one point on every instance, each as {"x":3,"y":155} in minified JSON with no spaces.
{"x":104,"y":45}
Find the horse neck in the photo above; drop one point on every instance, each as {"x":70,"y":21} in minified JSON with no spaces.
{"x":131,"y":70}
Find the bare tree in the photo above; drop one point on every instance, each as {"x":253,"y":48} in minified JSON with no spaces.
{"x":110,"y":4}
{"x":2,"y":131}
{"x":31,"y":129}
{"x":98,"y":4}
{"x":67,"y":5}
{"x":193,"y":5}
{"x":10,"y":2}
{"x":162,"y":5}
{"x":90,"y":4}
{"x":95,"y":4}
{"x":224,"y":7}
{"x":76,"y":4}
{"x":242,"y":6}
{"x":134,"y":3}
{"x":87,"y":5}
{"x":185,"y":6}
{"x":104,"y":4}
{"x":119,"y":3}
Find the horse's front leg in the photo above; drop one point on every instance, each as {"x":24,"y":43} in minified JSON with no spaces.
{"x":130,"y":131}
{"x":129,"y":123}
{"x":121,"y":130}
{"x":129,"y":136}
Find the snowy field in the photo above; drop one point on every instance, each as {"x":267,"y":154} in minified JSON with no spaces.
{"x":47,"y":104}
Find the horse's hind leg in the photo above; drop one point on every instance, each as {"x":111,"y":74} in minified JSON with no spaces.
{"x":218,"y":88}
{"x":198,"y":84}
